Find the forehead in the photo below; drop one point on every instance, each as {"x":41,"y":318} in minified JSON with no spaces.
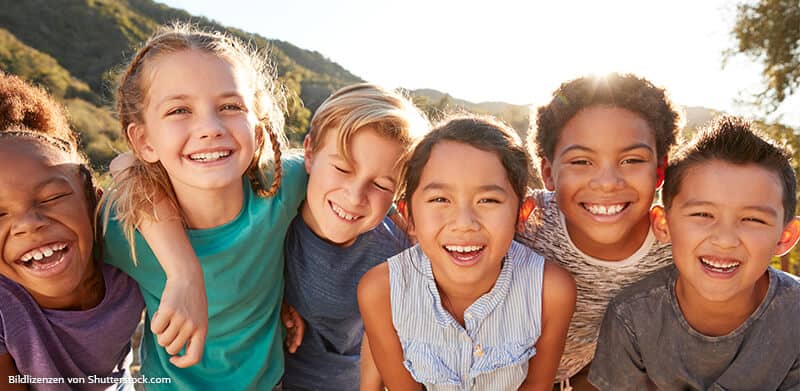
{"x":728,"y":184}
{"x":34,"y":162}
{"x":601,"y":127}
{"x":456,"y":162}
{"x":194,"y":72}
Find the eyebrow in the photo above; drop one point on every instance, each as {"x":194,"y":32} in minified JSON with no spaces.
{"x":228,"y":94}
{"x":760,"y":208}
{"x":579,"y":147}
{"x":442,"y":186}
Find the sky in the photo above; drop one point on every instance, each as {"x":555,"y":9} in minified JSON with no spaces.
{"x":516,"y":51}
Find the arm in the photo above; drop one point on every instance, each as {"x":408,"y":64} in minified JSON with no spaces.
{"x":182,"y":316}
{"x":558,"y":304}
{"x":617,"y":363}
{"x":376,"y":309}
{"x":7,"y":370}
{"x":370,"y":377}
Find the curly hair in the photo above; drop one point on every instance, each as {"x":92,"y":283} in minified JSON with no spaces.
{"x":626,"y":91}
{"x":27,"y":107}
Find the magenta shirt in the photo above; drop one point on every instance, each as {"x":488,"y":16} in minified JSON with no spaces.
{"x":91,"y":344}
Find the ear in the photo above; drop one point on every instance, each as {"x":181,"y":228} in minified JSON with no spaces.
{"x":308,"y":154}
{"x":525,"y":210}
{"x":661,"y":171}
{"x":658,"y":223}
{"x":789,"y":237}
{"x":546,"y":169}
{"x":402,"y":207}
{"x":141,"y":146}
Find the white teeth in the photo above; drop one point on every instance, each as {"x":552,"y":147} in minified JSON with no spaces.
{"x":41,"y":252}
{"x":463,"y":249}
{"x":209,"y":156}
{"x":604,"y":210}
{"x":720,"y":265}
{"x":341,"y":213}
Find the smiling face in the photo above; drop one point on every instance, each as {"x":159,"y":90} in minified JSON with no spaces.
{"x":723,"y":241}
{"x":345,"y":199}
{"x":198,"y":121}
{"x":604,"y":174}
{"x":464,"y":223}
{"x":45,"y":227}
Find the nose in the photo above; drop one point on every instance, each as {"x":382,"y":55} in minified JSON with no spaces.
{"x":210,"y":126}
{"x":28,"y":223}
{"x":465,"y":219}
{"x":356,"y":193}
{"x":607,"y":179}
{"x":724,"y":235}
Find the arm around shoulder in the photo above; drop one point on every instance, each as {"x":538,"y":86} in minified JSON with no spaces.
{"x":558,"y":304}
{"x":374,"y":301}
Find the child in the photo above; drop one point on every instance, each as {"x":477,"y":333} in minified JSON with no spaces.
{"x":352,"y":154}
{"x":202,"y":137}
{"x":466,"y":308}
{"x":64,"y":314}
{"x":601,"y":144}
{"x":720,"y":318}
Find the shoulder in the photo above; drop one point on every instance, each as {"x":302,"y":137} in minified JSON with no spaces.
{"x":788,"y":286}
{"x":558,"y":286}
{"x":373,"y":288}
{"x":654,"y":287}
{"x":14,"y":298}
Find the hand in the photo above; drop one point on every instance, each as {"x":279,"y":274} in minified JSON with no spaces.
{"x":182,"y":320}
{"x":295,"y":325}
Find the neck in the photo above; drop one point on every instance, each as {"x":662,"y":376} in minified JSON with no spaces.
{"x":87,"y":295}
{"x":205,"y":209}
{"x":456,"y":298}
{"x":718,"y":318}
{"x":612,"y":252}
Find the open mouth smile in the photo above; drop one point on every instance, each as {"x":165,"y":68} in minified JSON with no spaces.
{"x":464,"y":255}
{"x":605,"y":209}
{"x":45,"y":257}
{"x":720,"y":265}
{"x":342,"y":213}
{"x":207,"y":157}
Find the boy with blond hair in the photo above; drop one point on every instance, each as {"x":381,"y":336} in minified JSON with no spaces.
{"x":720,"y":317}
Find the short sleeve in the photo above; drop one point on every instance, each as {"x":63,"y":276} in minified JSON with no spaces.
{"x":617,"y":362}
{"x":792,"y":379}
{"x":293,"y":182}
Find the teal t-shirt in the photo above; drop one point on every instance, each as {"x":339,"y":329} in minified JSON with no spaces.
{"x":242,"y":265}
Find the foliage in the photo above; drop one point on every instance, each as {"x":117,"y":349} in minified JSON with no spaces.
{"x":769,"y":32}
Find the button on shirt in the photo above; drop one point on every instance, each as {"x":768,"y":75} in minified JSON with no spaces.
{"x":492,"y":351}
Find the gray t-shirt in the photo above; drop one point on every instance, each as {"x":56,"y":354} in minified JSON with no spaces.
{"x":645,"y":339}
{"x":91,"y":347}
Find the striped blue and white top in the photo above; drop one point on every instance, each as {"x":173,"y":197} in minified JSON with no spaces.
{"x":502,"y":326}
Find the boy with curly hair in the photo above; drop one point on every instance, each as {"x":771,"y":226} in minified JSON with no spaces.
{"x":602,"y":144}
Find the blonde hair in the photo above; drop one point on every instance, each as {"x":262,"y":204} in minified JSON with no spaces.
{"x":354,"y":107}
{"x":134,"y":191}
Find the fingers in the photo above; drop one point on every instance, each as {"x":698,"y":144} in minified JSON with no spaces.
{"x":295,"y":334}
{"x":161,"y":320}
{"x":193,"y":353}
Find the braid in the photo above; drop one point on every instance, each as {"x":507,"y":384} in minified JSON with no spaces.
{"x":277,"y":168}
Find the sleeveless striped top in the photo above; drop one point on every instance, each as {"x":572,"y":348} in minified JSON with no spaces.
{"x":597,"y":281}
{"x":502,"y":326}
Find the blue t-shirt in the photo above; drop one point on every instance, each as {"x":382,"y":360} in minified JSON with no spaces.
{"x":242,"y":265}
{"x":321,"y":282}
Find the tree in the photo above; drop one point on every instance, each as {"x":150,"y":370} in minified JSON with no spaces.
{"x":769,"y":32}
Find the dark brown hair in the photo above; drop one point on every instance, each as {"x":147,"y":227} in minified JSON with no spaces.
{"x":484,"y":133}
{"x":733,"y":140}
{"x":625,"y":91}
